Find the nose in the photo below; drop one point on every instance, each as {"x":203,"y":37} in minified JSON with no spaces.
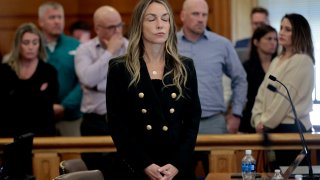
{"x":57,"y":19}
{"x":201,"y":18}
{"x":159,"y":24}
{"x":31,"y":46}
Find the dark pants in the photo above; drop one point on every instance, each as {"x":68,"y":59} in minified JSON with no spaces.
{"x":215,"y":124}
{"x":286,"y":157}
{"x":96,"y":125}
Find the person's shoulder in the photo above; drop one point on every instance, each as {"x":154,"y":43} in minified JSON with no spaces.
{"x":92,"y":42}
{"x":7,"y":74}
{"x":186,"y":59}
{"x":242,"y":43}
{"x":4,"y":68}
{"x":251,"y":65}
{"x":302,"y":59}
{"x":188,"y":62}
{"x":247,"y":63}
{"x":218,"y":40}
{"x":46,"y":67}
{"x":70,"y":40}
{"x":301,"y":56}
{"x":214,"y":36}
{"x":117,"y":61}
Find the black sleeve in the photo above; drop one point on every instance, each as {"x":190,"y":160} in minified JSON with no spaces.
{"x":191,"y":120}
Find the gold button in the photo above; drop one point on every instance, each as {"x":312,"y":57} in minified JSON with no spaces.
{"x":141,"y":95}
{"x":165,"y":128}
{"x":149,"y":127}
{"x":171,"y":110}
{"x":173,"y":95}
{"x":143,"y":111}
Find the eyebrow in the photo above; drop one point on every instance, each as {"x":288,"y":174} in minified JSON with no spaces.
{"x":152,"y":14}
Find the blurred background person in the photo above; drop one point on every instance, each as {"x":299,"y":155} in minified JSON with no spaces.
{"x":91,"y":62}
{"x":294,"y":67}
{"x":81,"y":31}
{"x":213,"y":56}
{"x":29,"y":87}
{"x":259,"y":16}
{"x":61,"y":50}
{"x":263,"y":48}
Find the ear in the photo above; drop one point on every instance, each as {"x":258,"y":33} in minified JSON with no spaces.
{"x":96,"y":29}
{"x":182,"y":15}
{"x":40,"y":22}
{"x":255,"y":42}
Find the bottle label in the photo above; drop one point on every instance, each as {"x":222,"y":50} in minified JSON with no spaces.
{"x":248,"y":167}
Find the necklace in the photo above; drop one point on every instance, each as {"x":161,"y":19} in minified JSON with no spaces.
{"x":154,"y":72}
{"x":155,"y":69}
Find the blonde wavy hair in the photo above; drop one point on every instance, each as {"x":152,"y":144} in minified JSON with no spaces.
{"x":136,"y":48}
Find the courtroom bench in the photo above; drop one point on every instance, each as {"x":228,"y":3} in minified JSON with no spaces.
{"x":225,"y":150}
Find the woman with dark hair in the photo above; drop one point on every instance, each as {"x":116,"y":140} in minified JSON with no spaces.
{"x":29,"y":87}
{"x":294,"y":67}
{"x":152,"y":97}
{"x":264,"y":44}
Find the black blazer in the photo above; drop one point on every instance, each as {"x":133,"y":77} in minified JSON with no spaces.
{"x":149,"y":127}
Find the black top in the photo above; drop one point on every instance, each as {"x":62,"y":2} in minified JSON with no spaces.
{"x":27,"y":105}
{"x":255,"y":76}
{"x":148,"y":123}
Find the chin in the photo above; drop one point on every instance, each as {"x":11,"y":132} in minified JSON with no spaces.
{"x":56,"y":33}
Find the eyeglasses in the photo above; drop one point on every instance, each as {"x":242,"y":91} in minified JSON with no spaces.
{"x":112,"y":28}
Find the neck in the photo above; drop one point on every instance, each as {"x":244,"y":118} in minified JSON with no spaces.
{"x":27,"y":68}
{"x":154,"y":53}
{"x":264,"y":57}
{"x":51,"y":38}
{"x":25,"y":63}
{"x":288,"y":52}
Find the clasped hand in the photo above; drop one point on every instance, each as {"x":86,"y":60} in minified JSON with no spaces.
{"x":166,"y":172}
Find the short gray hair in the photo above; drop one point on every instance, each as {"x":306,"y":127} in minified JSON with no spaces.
{"x":48,"y":5}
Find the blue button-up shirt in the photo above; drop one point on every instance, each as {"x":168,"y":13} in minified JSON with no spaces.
{"x":213,"y":56}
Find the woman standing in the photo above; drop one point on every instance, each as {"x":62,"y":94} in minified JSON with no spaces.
{"x":294,"y":68}
{"x":152,"y":99}
{"x":29,"y":87}
{"x":264,"y":44}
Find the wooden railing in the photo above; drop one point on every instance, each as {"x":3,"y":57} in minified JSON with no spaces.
{"x":47,"y":151}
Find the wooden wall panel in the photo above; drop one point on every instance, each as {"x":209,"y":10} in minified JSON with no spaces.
{"x":15,"y":12}
{"x":220,"y":17}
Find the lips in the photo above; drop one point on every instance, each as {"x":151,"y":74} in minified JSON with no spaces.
{"x":160,"y":34}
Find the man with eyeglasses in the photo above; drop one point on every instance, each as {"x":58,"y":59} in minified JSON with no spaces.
{"x":91,"y":64}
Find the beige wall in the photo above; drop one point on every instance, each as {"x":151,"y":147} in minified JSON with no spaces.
{"x":241,"y":27}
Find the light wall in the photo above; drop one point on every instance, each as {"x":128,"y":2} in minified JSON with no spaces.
{"x":240,"y":16}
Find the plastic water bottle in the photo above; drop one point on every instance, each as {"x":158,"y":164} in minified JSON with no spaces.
{"x":298,"y":177}
{"x":277,"y":175}
{"x":248,"y":166}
